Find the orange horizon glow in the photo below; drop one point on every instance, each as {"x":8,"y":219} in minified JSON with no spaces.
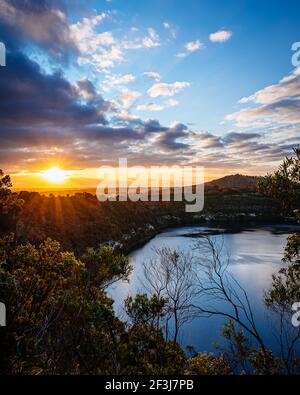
{"x":57,"y":178}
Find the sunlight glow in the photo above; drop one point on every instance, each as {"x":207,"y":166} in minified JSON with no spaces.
{"x":55,"y":175}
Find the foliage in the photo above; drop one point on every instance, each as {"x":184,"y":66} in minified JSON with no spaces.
{"x":144,"y":311}
{"x":149,"y":353}
{"x":105,"y":266}
{"x":10,"y":204}
{"x":275,"y":365}
{"x":80,"y":221}
{"x":205,"y":364}
{"x":61,"y":321}
{"x":284,"y":184}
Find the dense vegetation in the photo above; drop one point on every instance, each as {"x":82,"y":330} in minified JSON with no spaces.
{"x":80,"y":221}
{"x":61,"y":321}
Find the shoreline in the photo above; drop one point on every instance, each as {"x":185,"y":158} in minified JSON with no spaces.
{"x":229,"y":228}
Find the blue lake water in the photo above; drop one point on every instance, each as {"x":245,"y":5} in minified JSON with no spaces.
{"x":255,"y":254}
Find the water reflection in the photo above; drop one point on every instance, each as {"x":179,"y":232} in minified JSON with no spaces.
{"x":254,"y":255}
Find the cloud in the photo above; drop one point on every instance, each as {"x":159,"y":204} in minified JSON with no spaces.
{"x":128,"y":98}
{"x":153,"y":75}
{"x":150,"y":107}
{"x":104,"y":59}
{"x":117,"y":81}
{"x":43,"y":23}
{"x":220,"y":36}
{"x":238,"y":150}
{"x":172,"y":103}
{"x":288,"y":86}
{"x":98,"y":49}
{"x":44,"y":116}
{"x":125,"y":116}
{"x":192,"y":46}
{"x":235,"y":137}
{"x":158,"y":107}
{"x":102,"y":50}
{"x":152,"y":40}
{"x":87,"y":90}
{"x":30,"y":97}
{"x":173,"y":139}
{"x":276,"y":104}
{"x":87,"y":39}
{"x":209,"y":140}
{"x":182,"y":55}
{"x":170,"y":28}
{"x":164,"y":89}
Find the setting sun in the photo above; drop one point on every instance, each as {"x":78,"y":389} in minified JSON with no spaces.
{"x":55,"y":175}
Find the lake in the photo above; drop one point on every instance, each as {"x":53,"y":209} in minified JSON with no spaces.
{"x":255,"y":254}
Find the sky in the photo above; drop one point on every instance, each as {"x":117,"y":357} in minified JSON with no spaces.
{"x":194,"y":82}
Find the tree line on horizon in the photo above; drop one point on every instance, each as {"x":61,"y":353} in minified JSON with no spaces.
{"x":80,"y":221}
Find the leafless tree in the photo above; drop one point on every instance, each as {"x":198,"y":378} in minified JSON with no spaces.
{"x":219,"y":293}
{"x":201,"y":285}
{"x":170,"y":274}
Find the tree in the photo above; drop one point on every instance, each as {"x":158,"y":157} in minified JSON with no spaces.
{"x":204,"y":364}
{"x":144,"y":311}
{"x":219,"y":294}
{"x":284,"y":185}
{"x":105,"y":266}
{"x":244,"y":358}
{"x":170,"y":275}
{"x":10,"y":205}
{"x":60,"y":321}
{"x":146,"y":351}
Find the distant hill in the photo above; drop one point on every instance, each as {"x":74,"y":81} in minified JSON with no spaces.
{"x":237,"y":181}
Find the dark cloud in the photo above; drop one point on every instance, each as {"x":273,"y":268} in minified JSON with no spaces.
{"x":41,"y":22}
{"x":210,"y":140}
{"x":87,"y":90}
{"x":153,"y":126}
{"x":235,"y":137}
{"x":169,"y":140}
{"x":30,"y":97}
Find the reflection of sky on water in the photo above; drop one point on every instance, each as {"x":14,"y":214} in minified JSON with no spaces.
{"x":254,"y":256}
